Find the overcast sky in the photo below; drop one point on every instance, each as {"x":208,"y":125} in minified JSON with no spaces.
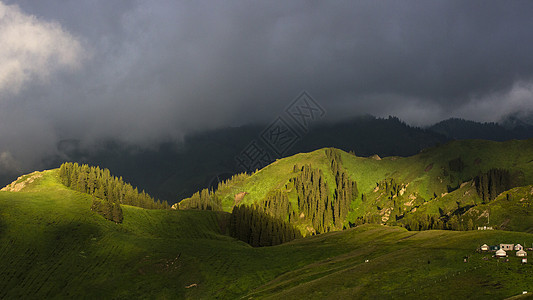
{"x":143,"y":71}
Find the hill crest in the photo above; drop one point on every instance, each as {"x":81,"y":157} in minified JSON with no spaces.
{"x":22,"y":182}
{"x":425,"y":190}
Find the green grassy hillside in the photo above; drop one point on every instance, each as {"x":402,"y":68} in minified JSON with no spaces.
{"x":51,"y":243}
{"x":53,"y":246}
{"x":397,"y":190}
{"x":511,"y":210}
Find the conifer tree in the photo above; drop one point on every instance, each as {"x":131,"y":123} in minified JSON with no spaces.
{"x":98,"y":182}
{"x":259,"y":229}
{"x":117,"y":213}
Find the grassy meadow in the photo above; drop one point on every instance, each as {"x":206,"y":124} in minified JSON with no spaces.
{"x":53,"y":246}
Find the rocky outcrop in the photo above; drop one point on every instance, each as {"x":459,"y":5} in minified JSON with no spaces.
{"x":22,"y":182}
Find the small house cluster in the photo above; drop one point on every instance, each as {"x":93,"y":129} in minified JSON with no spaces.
{"x":502,"y":249}
{"x":485,"y":228}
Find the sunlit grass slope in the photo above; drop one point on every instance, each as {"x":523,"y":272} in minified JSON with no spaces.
{"x":53,"y":246}
{"x":511,"y":210}
{"x":51,"y":243}
{"x":426,"y":178}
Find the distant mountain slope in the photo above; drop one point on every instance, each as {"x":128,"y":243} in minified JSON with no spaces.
{"x":172,"y":171}
{"x":417,"y":191}
{"x":53,"y":246}
{"x":460,"y":129}
{"x":518,"y":119}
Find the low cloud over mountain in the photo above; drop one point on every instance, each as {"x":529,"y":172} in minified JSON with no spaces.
{"x":143,"y":72}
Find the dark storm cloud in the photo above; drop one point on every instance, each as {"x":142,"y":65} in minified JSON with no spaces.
{"x":142,"y":71}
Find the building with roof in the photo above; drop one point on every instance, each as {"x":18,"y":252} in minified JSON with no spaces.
{"x":501,"y":253}
{"x":507,"y":247}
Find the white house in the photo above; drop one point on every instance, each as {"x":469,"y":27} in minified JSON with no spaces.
{"x":518,"y":247}
{"x":521,"y":253}
{"x":485,"y":247}
{"x":501,"y":253}
{"x":507,"y":247}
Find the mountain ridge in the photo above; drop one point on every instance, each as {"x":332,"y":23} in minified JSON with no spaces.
{"x":174,"y":170}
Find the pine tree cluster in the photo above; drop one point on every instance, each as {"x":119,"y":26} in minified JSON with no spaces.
{"x":459,"y":223}
{"x":101,"y":184}
{"x":425,"y":222}
{"x":250,"y":225}
{"x":208,"y":199}
{"x":391,"y":187}
{"x":277,"y":205}
{"x":316,"y":204}
{"x":490,"y":184}
{"x":110,"y":211}
{"x":231,"y":181}
{"x":325,"y":211}
{"x":346,"y":189}
{"x":314,"y":201}
{"x":204,"y":200}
